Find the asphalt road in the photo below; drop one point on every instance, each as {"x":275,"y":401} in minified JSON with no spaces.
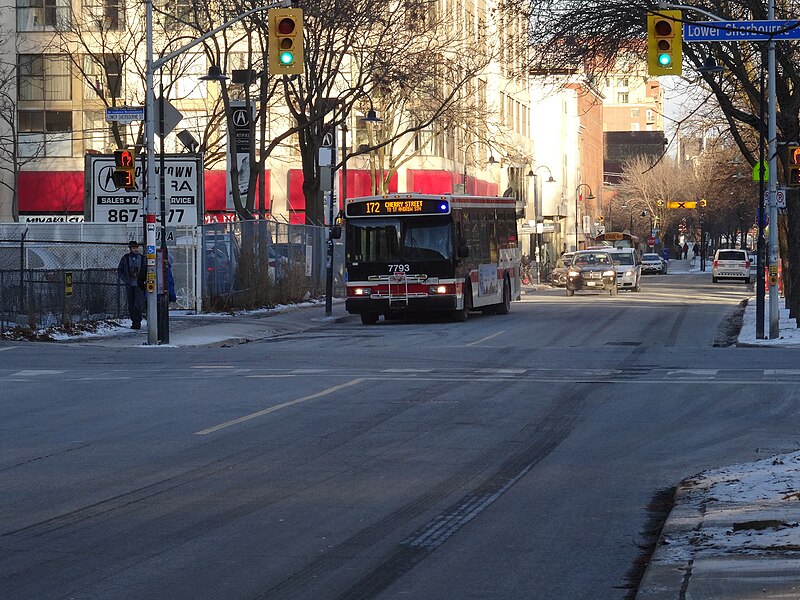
{"x":508,"y":457}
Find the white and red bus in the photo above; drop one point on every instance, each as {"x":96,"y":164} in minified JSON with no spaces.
{"x":418,"y":253}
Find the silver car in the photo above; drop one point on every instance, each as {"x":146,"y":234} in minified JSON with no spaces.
{"x":629,"y":269}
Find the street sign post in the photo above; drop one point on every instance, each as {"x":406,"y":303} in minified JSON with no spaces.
{"x":741,"y":31}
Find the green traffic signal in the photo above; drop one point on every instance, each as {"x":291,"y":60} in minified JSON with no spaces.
{"x":286,"y":58}
{"x":664,"y":60}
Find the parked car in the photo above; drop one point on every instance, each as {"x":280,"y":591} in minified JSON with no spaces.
{"x":629,"y":268}
{"x":592,"y":269}
{"x":731,"y":263}
{"x":653,"y":263}
{"x":558,"y":276}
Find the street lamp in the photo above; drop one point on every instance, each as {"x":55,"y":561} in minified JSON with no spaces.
{"x":150,"y":168}
{"x":490,"y":161}
{"x":577,"y":196}
{"x":537,"y":207}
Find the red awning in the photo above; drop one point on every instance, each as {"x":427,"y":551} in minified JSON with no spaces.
{"x":45,"y":192}
{"x":62,"y":192}
{"x":215,"y":191}
{"x":443,"y":182}
{"x":358,"y":184}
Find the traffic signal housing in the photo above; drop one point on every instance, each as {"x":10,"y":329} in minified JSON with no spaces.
{"x":664,"y":43}
{"x":793,"y":166}
{"x":124,"y":169}
{"x":285,"y":43}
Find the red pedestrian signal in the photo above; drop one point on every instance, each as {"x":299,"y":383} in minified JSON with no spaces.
{"x":124,"y":169}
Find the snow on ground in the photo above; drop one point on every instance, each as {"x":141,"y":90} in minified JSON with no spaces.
{"x":746,"y":509}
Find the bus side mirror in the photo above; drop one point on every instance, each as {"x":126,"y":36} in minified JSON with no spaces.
{"x":336,"y":232}
{"x":463,"y":250}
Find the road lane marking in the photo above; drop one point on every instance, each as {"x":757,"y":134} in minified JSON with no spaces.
{"x":8,"y":348}
{"x":36,"y":373}
{"x":488,"y":337}
{"x":277,"y":407}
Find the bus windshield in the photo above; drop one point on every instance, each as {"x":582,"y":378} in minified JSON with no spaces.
{"x":390,"y":240}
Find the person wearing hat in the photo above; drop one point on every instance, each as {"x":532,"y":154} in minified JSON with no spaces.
{"x":131,"y":271}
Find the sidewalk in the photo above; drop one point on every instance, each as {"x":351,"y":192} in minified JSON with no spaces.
{"x":734,"y":533}
{"x":218,"y":330}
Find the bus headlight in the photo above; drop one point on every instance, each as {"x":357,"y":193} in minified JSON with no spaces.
{"x":437,"y":289}
{"x":574,"y":273}
{"x":363,"y":291}
{"x":609,"y":273}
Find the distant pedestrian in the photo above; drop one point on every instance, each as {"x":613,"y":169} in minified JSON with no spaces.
{"x":131,"y":272}
{"x":665,"y":253}
{"x":685,"y":250}
{"x":696,"y":250}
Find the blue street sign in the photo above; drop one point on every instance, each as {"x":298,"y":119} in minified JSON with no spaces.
{"x":740,"y":31}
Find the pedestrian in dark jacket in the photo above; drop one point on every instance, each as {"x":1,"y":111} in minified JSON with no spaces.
{"x":685,"y":250}
{"x":131,"y":273}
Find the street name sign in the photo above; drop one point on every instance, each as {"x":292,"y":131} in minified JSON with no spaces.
{"x":741,"y":31}
{"x":125,"y":114}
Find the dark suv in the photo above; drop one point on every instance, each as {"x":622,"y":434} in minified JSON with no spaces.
{"x":593,"y":270}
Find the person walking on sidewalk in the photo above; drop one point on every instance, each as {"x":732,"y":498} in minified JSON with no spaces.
{"x":131,"y":271}
{"x":685,"y":250}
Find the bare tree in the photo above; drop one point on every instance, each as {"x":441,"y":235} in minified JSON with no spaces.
{"x":587,"y":34}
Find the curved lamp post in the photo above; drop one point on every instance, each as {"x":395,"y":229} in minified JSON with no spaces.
{"x":577,"y":195}
{"x":491,"y":161}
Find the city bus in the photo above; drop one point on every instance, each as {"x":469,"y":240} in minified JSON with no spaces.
{"x":618,"y":239}
{"x":418,"y":253}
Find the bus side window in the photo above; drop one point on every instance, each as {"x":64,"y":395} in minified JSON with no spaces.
{"x":462,"y":250}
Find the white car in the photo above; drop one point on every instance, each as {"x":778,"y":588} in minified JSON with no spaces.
{"x":653,"y":263}
{"x":731,"y":263}
{"x":629,"y":268}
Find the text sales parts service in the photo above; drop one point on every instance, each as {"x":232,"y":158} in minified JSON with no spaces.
{"x":183,"y":182}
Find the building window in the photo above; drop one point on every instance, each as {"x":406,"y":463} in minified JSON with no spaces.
{"x":176,"y":12}
{"x":650,"y":115}
{"x":43,"y":15}
{"x":622,"y":97}
{"x":634,"y":127}
{"x":45,"y":132}
{"x":103,"y":76}
{"x":622,"y":82}
{"x":104,"y":15}
{"x":44,"y":77}
{"x":634,"y":113}
{"x":97,"y":133}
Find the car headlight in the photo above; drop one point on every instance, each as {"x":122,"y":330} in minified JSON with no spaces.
{"x":608,"y":273}
{"x":628,"y":273}
{"x":574,"y":273}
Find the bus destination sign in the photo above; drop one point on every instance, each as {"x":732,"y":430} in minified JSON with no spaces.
{"x":397,"y":206}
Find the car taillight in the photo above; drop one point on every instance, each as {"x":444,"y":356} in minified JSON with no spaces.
{"x":747,"y":264}
{"x":716,"y":264}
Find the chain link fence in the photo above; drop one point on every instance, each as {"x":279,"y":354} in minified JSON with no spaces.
{"x":216,"y":267}
{"x":251,"y":264}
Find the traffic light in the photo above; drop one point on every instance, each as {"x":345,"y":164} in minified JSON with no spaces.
{"x":285,"y":41}
{"x":793,"y":170}
{"x":124,"y":169}
{"x":664,"y":43}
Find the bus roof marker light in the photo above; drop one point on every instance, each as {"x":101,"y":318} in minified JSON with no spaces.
{"x":443,"y":207}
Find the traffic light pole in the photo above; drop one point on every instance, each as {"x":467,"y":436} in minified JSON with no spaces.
{"x":151,"y":196}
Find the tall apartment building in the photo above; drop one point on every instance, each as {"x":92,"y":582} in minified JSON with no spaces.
{"x":65,"y":61}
